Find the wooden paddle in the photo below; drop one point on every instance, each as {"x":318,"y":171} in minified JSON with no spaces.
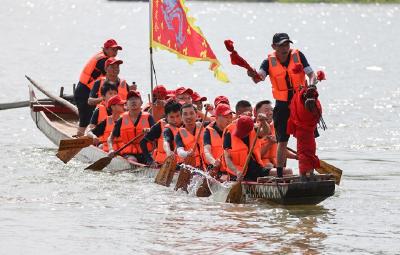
{"x":68,"y":148}
{"x":235,"y":194}
{"x":13,"y":105}
{"x":185,"y":175}
{"x":326,"y":168}
{"x":105,"y":161}
{"x":166,"y":172}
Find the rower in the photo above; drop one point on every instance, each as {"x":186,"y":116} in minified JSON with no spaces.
{"x":131,"y":124}
{"x":183,"y":95}
{"x":198,"y":101}
{"x":172,"y":122}
{"x":112,"y":72}
{"x":243,"y":107}
{"x":101,"y":112}
{"x":185,"y":139}
{"x":221,"y":99}
{"x":103,"y":129}
{"x":213,"y":149}
{"x":156,"y":107}
{"x":238,"y":138}
{"x":93,"y":70}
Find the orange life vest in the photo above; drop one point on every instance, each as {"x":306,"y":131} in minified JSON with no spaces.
{"x":189,"y":140}
{"x":103,"y":114}
{"x":129,"y":131}
{"x":122,"y":90}
{"x":86,"y":76}
{"x":107,"y":131}
{"x":277,"y":74}
{"x":217,"y":149}
{"x":270,"y":155}
{"x":159,"y":153}
{"x":239,"y":150}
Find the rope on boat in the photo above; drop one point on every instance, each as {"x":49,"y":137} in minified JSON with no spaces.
{"x":56,"y":115}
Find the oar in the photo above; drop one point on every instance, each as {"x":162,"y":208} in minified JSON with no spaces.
{"x":68,"y":148}
{"x":235,"y":194}
{"x":166,"y":172}
{"x":13,"y":105}
{"x":185,"y":175}
{"x":103,"y":162}
{"x":326,"y":168}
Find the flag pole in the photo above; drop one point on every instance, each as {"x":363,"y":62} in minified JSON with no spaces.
{"x":151,"y":47}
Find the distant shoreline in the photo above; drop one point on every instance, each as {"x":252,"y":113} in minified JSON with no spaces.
{"x":313,"y":1}
{"x":294,"y":1}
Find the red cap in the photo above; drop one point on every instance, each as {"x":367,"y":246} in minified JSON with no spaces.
{"x":111,"y":43}
{"x":115,"y":100}
{"x":160,"y":91}
{"x":112,"y":61}
{"x":222,"y":110}
{"x":183,"y":90}
{"x":197,"y":98}
{"x":133,"y":93}
{"x":244,"y":126}
{"x":221,"y":99}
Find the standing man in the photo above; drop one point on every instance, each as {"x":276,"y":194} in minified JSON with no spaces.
{"x":112,"y":71}
{"x":93,"y":70}
{"x":287,"y":69}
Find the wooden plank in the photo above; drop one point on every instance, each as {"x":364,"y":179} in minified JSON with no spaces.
{"x":62,"y":101}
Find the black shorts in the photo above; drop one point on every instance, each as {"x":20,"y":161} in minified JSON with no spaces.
{"x":254,"y":171}
{"x":280,"y":116}
{"x":81,"y":96}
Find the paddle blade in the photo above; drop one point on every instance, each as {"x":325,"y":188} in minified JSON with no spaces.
{"x":203,"y":190}
{"x":166,"y":172}
{"x":69,"y":144}
{"x":235,"y":194}
{"x":183,"y":181}
{"x":99,"y":164}
{"x":67,"y":155}
{"x":326,"y":168}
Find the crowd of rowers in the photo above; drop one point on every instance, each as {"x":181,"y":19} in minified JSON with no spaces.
{"x":172,"y":121}
{"x":224,"y":141}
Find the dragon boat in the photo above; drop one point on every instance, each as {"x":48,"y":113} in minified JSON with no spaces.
{"x":56,"y":117}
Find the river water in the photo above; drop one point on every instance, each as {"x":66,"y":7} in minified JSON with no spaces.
{"x":47,"y":207}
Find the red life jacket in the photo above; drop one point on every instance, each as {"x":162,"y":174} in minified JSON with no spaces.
{"x":189,"y":140}
{"x":159,"y":153}
{"x":103,"y":114}
{"x":239,"y":150}
{"x":107,"y":131}
{"x":217,"y":149}
{"x":277,"y":75}
{"x":86,"y":76}
{"x":122,"y":90}
{"x":129,"y":131}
